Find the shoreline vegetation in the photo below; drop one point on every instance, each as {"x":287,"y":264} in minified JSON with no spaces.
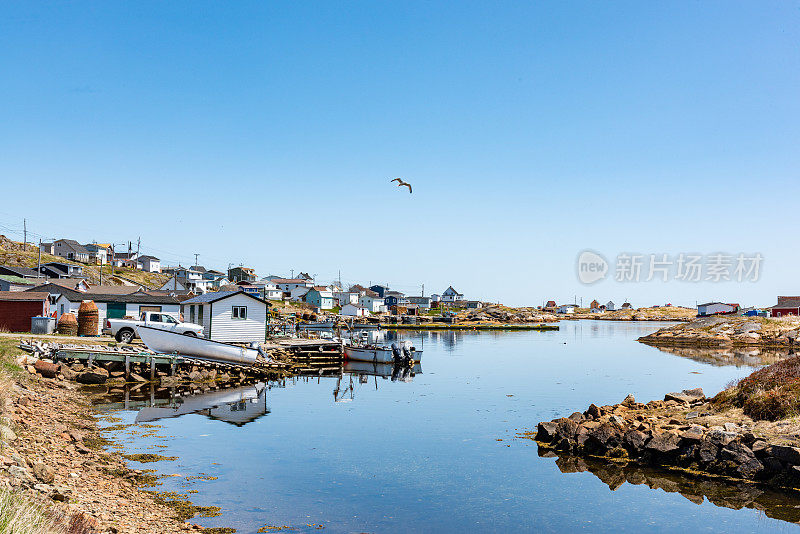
{"x":748,"y":433}
{"x":61,"y":472}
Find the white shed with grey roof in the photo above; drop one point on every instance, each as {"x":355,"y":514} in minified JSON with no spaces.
{"x":228,"y":316}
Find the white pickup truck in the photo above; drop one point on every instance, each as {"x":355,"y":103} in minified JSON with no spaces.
{"x":124,"y":330}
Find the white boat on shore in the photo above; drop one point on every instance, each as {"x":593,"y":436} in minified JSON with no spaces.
{"x":166,"y":342}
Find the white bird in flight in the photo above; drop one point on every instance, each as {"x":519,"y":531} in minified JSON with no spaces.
{"x":401,"y":183}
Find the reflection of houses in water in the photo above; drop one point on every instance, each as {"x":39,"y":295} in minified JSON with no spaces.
{"x":237,"y":406}
{"x":728,"y":494}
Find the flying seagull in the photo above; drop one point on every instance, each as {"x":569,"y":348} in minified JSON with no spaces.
{"x":401,"y":183}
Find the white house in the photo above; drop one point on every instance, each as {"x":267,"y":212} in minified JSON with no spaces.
{"x":191,"y":280}
{"x":436,"y":297}
{"x":566,"y":308}
{"x":228,"y":316}
{"x":372,"y":304}
{"x":610,"y":306}
{"x":288,"y":284}
{"x":713,"y":308}
{"x":150,"y":264}
{"x":345,"y":297}
{"x":451,"y":295}
{"x":98,"y":253}
{"x":173,"y":285}
{"x":354,"y":310}
{"x":269,"y":289}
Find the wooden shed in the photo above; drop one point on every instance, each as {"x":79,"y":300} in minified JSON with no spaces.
{"x":18,"y":307}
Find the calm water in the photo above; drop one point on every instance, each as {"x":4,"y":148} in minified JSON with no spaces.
{"x":438,"y":453}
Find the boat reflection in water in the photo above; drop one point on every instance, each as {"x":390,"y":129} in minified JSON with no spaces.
{"x":237,"y":406}
{"x":361,"y":372}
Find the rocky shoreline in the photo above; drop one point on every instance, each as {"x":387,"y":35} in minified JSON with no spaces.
{"x":729,"y":330}
{"x":54,"y":454}
{"x":685,"y":432}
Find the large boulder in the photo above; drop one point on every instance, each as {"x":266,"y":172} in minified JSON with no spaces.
{"x":44,"y":473}
{"x":546,"y":431}
{"x":95,"y":375}
{"x":664,"y":443}
{"x":785,"y":453}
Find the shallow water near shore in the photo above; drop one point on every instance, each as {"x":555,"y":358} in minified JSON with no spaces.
{"x":437,"y":452}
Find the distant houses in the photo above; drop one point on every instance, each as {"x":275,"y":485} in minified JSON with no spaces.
{"x":451,"y":295}
{"x":786,"y":306}
{"x":354,"y":310}
{"x":716,"y":308}
{"x":567,"y":308}
{"x":242,"y":274}
{"x":320,"y":297}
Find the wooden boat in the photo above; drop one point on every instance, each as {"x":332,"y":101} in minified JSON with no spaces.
{"x":166,"y":342}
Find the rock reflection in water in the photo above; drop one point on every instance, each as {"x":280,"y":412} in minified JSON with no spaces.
{"x":774,"y":504}
{"x":736,"y":356}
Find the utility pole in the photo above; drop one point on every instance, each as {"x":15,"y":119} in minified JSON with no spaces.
{"x":423,"y":290}
{"x":292,"y":272}
{"x":138,"y":244}
{"x":39,"y":263}
{"x":195,"y":260}
{"x":24,"y":235}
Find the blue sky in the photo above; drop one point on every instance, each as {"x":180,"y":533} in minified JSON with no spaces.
{"x":267,"y":134}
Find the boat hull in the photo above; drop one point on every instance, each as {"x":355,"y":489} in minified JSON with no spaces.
{"x":375,"y":355}
{"x":166,"y":342}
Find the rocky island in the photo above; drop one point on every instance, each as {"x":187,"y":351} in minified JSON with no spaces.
{"x":729,"y":330}
{"x":749,"y":432}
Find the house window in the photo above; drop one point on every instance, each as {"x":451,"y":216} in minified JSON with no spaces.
{"x":239,"y":312}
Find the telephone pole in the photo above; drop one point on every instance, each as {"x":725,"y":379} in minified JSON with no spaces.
{"x":195,"y":260}
{"x":39,"y":263}
{"x":138,"y":244}
{"x":423,"y":290}
{"x":24,"y":235}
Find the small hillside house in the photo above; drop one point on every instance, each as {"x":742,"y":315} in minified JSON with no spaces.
{"x":345,"y":297}
{"x":71,"y":250}
{"x":594,"y":304}
{"x":99,"y":253}
{"x":394,"y":298}
{"x":372,"y":304}
{"x":567,"y":308}
{"x":298,"y":293}
{"x":354,"y":310}
{"x":379,"y":289}
{"x":320,"y":297}
{"x":242,"y":274}
{"x":15,"y":283}
{"x":451,"y":295}
{"x":610,"y":306}
{"x":228,"y":316}
{"x":21,"y":272}
{"x":286,"y":285}
{"x":150,"y":264}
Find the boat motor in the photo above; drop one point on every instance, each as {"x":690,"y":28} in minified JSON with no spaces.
{"x":397,"y":353}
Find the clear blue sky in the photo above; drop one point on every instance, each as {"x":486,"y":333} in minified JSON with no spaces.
{"x":267,"y":133}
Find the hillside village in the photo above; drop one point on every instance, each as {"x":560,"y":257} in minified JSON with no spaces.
{"x":52,"y":279}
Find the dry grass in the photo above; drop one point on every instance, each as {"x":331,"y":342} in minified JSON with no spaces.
{"x":770,"y":393}
{"x":20,"y":516}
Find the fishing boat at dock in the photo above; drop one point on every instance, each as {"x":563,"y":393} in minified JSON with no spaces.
{"x":166,"y":342}
{"x":364,"y":349}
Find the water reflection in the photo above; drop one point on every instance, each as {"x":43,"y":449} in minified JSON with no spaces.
{"x":734,"y":495}
{"x":724,"y":356}
{"x":237,"y":406}
{"x":359,"y":373}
